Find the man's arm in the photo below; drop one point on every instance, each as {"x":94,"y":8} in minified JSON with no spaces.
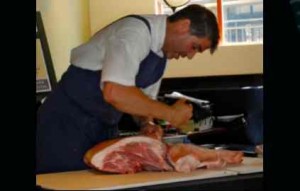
{"x":132,"y":100}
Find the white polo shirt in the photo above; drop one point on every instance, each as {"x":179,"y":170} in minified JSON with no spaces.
{"x":119,"y":48}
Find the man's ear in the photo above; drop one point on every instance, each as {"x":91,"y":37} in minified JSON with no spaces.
{"x":184,"y":26}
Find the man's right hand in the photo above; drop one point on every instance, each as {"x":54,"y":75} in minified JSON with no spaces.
{"x":182,"y":112}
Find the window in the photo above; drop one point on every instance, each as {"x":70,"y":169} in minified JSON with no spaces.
{"x":241,"y":20}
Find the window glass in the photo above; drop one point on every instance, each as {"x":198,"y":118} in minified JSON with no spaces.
{"x":242,"y":21}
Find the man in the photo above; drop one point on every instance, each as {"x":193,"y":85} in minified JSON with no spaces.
{"x":117,"y":71}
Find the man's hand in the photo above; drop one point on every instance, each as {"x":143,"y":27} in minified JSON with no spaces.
{"x":182,"y":113}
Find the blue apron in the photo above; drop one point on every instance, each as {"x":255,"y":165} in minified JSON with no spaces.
{"x":75,"y":117}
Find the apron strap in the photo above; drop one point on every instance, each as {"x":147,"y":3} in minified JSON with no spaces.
{"x":142,"y":19}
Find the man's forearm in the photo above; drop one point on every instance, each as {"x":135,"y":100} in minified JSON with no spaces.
{"x":131,"y":100}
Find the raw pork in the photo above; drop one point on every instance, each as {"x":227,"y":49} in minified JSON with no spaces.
{"x":128,"y":155}
{"x":148,"y":152}
{"x":188,"y":157}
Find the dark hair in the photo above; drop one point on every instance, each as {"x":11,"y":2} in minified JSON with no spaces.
{"x":203,"y":23}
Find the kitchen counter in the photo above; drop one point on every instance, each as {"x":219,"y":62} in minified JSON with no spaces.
{"x":251,"y":171}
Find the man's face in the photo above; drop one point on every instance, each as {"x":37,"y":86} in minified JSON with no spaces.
{"x":187,"y":46}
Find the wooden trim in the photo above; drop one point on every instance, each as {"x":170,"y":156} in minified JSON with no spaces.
{"x":220,"y":17}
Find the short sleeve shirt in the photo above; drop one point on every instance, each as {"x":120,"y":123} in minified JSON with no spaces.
{"x":119,"y":48}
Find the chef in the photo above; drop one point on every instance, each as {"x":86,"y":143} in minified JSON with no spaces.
{"x":117,"y":71}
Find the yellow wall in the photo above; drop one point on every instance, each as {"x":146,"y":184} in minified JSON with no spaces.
{"x":66,"y":24}
{"x":69,"y":23}
{"x":227,"y":60}
{"x":103,"y":12}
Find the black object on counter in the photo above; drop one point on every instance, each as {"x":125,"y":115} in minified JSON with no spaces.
{"x":232,"y":132}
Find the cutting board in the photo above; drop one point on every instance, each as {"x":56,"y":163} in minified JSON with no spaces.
{"x":250,"y":165}
{"x":94,"y":180}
